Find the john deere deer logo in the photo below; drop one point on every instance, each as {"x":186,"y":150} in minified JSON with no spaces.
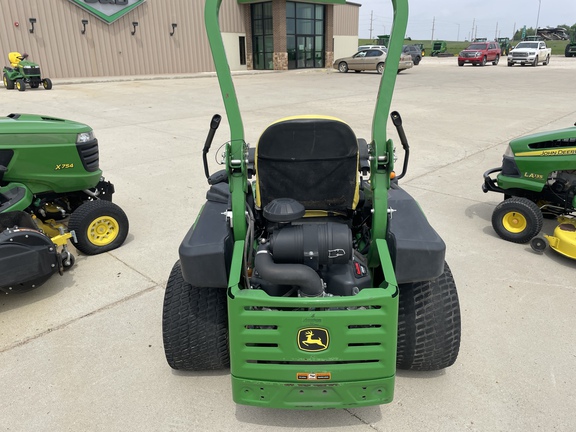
{"x":313,"y":339}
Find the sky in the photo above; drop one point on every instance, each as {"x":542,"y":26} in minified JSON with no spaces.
{"x":463,"y":19}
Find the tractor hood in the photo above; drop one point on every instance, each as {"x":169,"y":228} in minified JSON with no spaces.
{"x":39,"y":124}
{"x":559,"y":142}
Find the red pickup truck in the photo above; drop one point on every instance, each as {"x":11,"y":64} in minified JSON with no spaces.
{"x":479,"y":53}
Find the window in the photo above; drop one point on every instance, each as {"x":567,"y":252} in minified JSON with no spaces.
{"x":305,"y":35}
{"x":262,"y":35}
{"x":242,"y":46}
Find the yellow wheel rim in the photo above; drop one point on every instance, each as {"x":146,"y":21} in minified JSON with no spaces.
{"x":514,"y":222}
{"x":18,"y":85}
{"x":5,"y":82}
{"x":103,"y":231}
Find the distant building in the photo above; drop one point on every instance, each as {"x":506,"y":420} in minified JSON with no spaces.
{"x":89,"y":38}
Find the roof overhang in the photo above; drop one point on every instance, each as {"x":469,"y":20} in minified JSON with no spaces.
{"x":311,"y":1}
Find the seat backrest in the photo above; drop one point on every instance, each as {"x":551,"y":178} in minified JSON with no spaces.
{"x":13,"y":58}
{"x":312,"y":159}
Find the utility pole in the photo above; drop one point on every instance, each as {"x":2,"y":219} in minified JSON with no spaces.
{"x":432,"y":40}
{"x":514,"y":31}
{"x":458,"y":37}
{"x":371,"y":14}
{"x":538,"y":17}
{"x":496,"y":34}
{"x":472,"y":33}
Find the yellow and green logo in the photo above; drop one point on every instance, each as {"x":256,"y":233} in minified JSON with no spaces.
{"x":313,"y":339}
{"x":108,"y":10}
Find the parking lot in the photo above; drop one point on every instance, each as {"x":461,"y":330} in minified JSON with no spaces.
{"x":84,"y":352}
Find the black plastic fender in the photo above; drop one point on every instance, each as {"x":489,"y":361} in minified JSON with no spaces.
{"x":416,"y":248}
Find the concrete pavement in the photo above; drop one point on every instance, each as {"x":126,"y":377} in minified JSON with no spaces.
{"x":84,"y":352}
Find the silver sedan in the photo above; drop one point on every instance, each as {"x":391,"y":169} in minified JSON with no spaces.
{"x":370,"y":59}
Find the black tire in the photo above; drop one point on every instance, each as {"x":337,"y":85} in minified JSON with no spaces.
{"x":517,"y":220}
{"x":547,"y":61}
{"x":380,"y":68}
{"x":539,"y":244}
{"x":343,"y":67}
{"x":510,"y":64}
{"x":21,"y":85}
{"x":460,"y":63}
{"x":47,"y":83}
{"x":100,"y":226}
{"x":567,"y":52}
{"x":483,"y":61}
{"x":428,"y":324}
{"x":8,"y":83}
{"x":417,"y":60}
{"x":194,"y":325}
{"x":535,"y":62}
{"x":495,"y":62}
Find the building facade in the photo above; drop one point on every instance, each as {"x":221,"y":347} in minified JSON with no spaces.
{"x":93,"y":38}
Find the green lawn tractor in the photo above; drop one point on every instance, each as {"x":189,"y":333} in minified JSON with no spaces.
{"x":537,"y":179}
{"x":51,"y":182}
{"x":570,"y":50}
{"x":22,"y":72}
{"x":309,"y":272}
{"x":504,"y":43}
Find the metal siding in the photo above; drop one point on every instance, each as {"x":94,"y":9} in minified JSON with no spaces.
{"x":346,"y":19}
{"x":110,"y":50}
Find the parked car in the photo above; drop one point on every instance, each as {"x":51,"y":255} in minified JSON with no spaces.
{"x":414,"y":51}
{"x":365,"y":47}
{"x":479,"y":53}
{"x":371,"y":59}
{"x":530,"y":52}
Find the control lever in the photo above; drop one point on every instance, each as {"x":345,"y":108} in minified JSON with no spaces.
{"x":214,"y":123}
{"x":397,"y":120}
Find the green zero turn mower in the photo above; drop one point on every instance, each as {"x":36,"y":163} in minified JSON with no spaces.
{"x":51,"y":191}
{"x":538,"y":179}
{"x":309,"y":272}
{"x":22,"y":72}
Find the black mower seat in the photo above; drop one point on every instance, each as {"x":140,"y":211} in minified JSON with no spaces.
{"x":312,"y":159}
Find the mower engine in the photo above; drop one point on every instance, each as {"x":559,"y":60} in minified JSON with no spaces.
{"x":306,"y":259}
{"x":563,"y":183}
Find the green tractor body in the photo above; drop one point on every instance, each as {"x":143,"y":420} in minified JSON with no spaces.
{"x":48,"y":154}
{"x":22,"y":73}
{"x":50,"y":179}
{"x":570,"y":50}
{"x":504,"y":43}
{"x":438,"y":47}
{"x":537,"y":178}
{"x":306,"y":288}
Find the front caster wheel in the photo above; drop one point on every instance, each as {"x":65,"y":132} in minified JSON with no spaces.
{"x":100,"y":226}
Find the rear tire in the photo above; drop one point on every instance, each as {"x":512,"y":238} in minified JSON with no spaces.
{"x":8,"y":83}
{"x":428,"y":324}
{"x":517,"y":220}
{"x":100,"y":226}
{"x":194,"y":325}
